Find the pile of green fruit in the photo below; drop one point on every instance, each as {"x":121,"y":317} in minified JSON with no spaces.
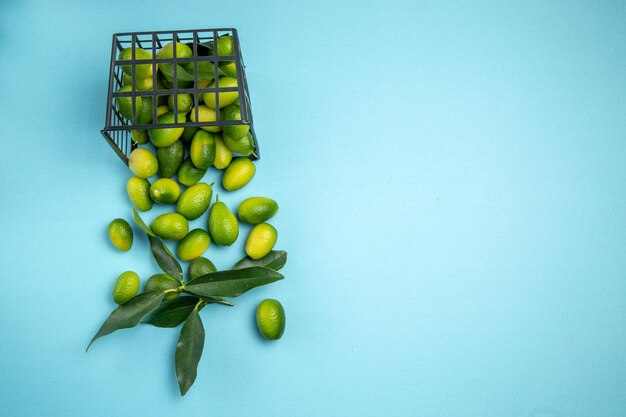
{"x":170,"y":298}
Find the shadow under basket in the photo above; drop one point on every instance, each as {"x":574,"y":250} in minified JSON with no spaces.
{"x":187,"y":74}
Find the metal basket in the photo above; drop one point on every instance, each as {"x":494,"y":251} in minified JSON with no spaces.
{"x":201,"y":41}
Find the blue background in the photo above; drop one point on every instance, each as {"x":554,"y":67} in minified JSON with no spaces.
{"x":452,"y":184}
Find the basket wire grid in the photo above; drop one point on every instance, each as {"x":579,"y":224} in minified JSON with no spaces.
{"x":117,"y":128}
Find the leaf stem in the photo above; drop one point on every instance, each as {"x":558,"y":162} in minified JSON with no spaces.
{"x":212,"y":300}
{"x":218,"y":300}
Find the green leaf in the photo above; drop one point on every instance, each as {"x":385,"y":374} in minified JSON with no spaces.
{"x":275,"y":260}
{"x":162,"y":255}
{"x":189,"y":351}
{"x":165,"y":259}
{"x":173,"y":312}
{"x":231,"y":283}
{"x":129,"y":314}
{"x":142,"y":225}
{"x":182,"y":74}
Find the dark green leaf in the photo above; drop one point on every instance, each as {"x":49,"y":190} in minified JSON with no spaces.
{"x":162,"y":255}
{"x":232,"y":283}
{"x":142,"y":225}
{"x":165,"y":259}
{"x":189,"y":351}
{"x":173,"y":312}
{"x":129,"y":314}
{"x":275,"y":260}
{"x":181,"y":73}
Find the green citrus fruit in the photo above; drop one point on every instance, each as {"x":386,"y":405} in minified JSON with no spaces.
{"x":223,"y":225}
{"x":195,"y":200}
{"x":126,"y":287}
{"x":223,"y":155}
{"x":170,"y":158}
{"x":243,"y":146}
{"x":121,"y":234}
{"x":200,"y":266}
{"x":261,"y":240}
{"x":225,"y":46}
{"x":141,"y":84}
{"x":205,"y":114}
{"x":193,"y":245}
{"x":185,"y":103}
{"x":141,"y":70}
{"x":229,"y":68}
{"x":225,"y":97}
{"x":233,"y":112}
{"x":140,"y":137}
{"x":170,"y":226}
{"x":255,"y":210}
{"x":161,"y":110}
{"x":238,"y":174}
{"x":165,"y":190}
{"x":270,"y":317}
{"x":202,"y":149}
{"x":143,"y":163}
{"x":162,"y":282}
{"x":188,"y":174}
{"x":143,"y":106}
{"x":139,"y":193}
{"x":167,"y":136}
{"x":167,"y":51}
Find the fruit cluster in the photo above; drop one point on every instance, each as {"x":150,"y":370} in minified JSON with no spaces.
{"x":187,"y":153}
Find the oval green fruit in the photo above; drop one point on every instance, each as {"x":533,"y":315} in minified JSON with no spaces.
{"x":161,"y":110}
{"x":162,"y":282}
{"x":225,"y":46}
{"x":140,"y":137}
{"x":193,"y":245}
{"x":243,"y":146}
{"x":138,"y":190}
{"x":225,"y":97}
{"x":170,"y":158}
{"x":141,"y":84}
{"x":238,"y":131}
{"x":200,"y":266}
{"x":165,"y":190}
{"x":238,"y":174}
{"x":167,"y":136}
{"x":170,"y":226}
{"x":141,"y":70}
{"x":261,"y":240}
{"x":184,"y":102}
{"x":255,"y":210}
{"x":188,"y":174}
{"x":223,"y":155}
{"x":229,"y":68}
{"x":143,"y":106}
{"x":270,"y":318}
{"x":143,"y":163}
{"x":195,"y":200}
{"x":121,"y":234}
{"x":167,"y":51}
{"x":223,"y":225}
{"x":126,"y":287}
{"x":202,"y":150}
{"x":205,"y":114}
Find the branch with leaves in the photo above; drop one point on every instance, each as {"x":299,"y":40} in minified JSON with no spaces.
{"x":212,"y":288}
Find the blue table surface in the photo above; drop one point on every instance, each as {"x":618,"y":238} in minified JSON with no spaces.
{"x":452,"y":188}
